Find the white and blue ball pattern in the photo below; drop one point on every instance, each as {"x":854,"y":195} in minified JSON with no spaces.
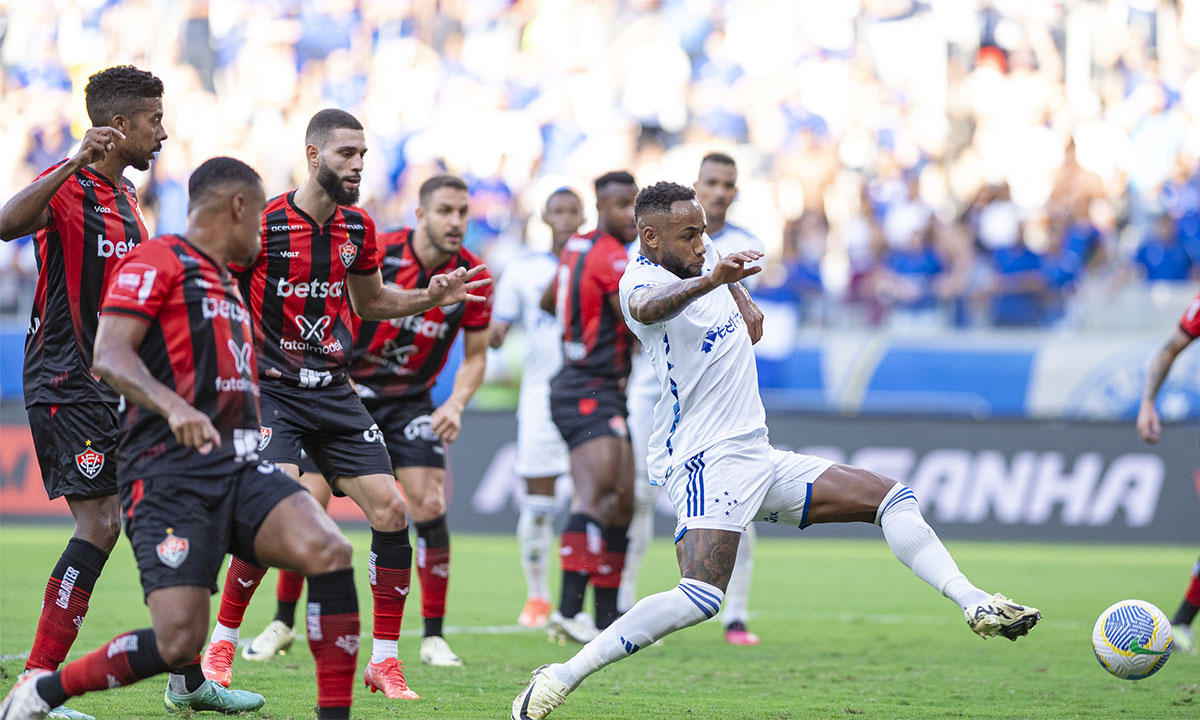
{"x":1132,"y":639}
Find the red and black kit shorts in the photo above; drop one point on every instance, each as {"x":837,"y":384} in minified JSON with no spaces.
{"x":181,"y":524}
{"x":329,"y":424}
{"x":585,"y":407}
{"x":407,"y":425}
{"x":76,"y":448}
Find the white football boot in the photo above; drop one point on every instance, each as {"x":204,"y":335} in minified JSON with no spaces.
{"x":1001,"y":616}
{"x":579,"y":629}
{"x":23,"y":701}
{"x":543,"y":693}
{"x":436,"y":651}
{"x":274,"y":640}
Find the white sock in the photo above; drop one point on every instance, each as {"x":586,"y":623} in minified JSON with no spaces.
{"x":535,"y":536}
{"x":737,"y":595}
{"x":383,"y":649}
{"x":653,"y":617}
{"x":916,"y":545}
{"x":221,"y":632}
{"x":640,"y":534}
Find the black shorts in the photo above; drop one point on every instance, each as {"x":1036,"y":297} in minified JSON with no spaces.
{"x":584,"y":408}
{"x":181,"y":525}
{"x":408,"y":430}
{"x":76,"y":448}
{"x":330,"y":424}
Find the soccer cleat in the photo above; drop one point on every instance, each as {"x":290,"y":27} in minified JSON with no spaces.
{"x":211,"y":696}
{"x":388,"y":676}
{"x":1185,"y":640}
{"x":218,"y":662}
{"x":274,"y":640}
{"x":543,"y":693}
{"x":23,"y":701}
{"x":737,"y":634}
{"x":1001,"y":616}
{"x":66,"y":713}
{"x":579,"y":629}
{"x":535,"y":613}
{"x":436,"y":651}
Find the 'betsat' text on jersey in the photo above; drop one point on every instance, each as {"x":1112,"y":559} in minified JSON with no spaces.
{"x":297,"y":291}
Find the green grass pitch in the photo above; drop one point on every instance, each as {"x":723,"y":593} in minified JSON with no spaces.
{"x":847,"y":632}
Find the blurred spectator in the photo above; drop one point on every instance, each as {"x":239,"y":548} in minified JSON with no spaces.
{"x":1161,"y":256}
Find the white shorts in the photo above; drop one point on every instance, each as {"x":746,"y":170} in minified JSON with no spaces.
{"x":541,"y":450}
{"x":641,"y":425}
{"x":740,"y":481}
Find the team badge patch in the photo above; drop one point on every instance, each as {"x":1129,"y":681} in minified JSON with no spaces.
{"x":618,"y":426}
{"x":348,"y":252}
{"x":173,"y":550}
{"x":90,"y":462}
{"x":264,"y":439}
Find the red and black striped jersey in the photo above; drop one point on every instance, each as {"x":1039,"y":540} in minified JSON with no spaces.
{"x":1190,"y":322}
{"x":402,"y":357}
{"x":595,"y":339}
{"x":93,"y":223}
{"x":297,"y":290}
{"x":199,"y":343}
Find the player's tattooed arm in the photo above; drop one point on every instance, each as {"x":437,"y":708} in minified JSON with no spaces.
{"x":708,"y":555}
{"x":27,"y":211}
{"x":1148,"y":424}
{"x":662,"y":302}
{"x":372,"y":299}
{"x":658,"y":303}
{"x":116,"y":362}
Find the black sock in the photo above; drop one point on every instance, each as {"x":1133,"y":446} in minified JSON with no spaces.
{"x":606,"y":606}
{"x":574,"y":585}
{"x":1185,"y":614}
{"x":433,"y":626}
{"x":51,"y":689}
{"x":333,"y":713}
{"x":193,"y":676}
{"x":285,"y":612}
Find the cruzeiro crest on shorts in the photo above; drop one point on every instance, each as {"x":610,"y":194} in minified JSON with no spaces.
{"x":348,"y":252}
{"x":173,"y":550}
{"x":90,"y":462}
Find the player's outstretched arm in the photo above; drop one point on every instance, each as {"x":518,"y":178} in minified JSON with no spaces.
{"x":749,"y":310}
{"x":662,"y":302}
{"x":1148,"y":424}
{"x":373,"y":300}
{"x":27,"y":211}
{"x":446,"y":420}
{"x":116,"y":362}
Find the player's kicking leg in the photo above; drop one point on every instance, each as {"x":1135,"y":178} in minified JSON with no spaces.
{"x":736,"y":611}
{"x":535,"y":536}
{"x":706,"y":558}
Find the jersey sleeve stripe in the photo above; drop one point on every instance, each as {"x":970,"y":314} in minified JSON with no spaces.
{"x":128,"y":311}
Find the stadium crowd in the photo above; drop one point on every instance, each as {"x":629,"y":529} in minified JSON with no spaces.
{"x":921,"y":163}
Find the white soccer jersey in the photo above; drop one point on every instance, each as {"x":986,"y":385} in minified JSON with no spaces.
{"x":704,"y":362}
{"x":518,"y":300}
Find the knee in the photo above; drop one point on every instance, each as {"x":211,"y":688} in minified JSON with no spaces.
{"x":179,"y":642}
{"x":389,"y":515}
{"x":430,"y":507}
{"x":326,"y":552}
{"x":100,"y":525}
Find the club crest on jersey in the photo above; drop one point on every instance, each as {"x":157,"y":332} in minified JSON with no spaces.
{"x":90,"y":462}
{"x":173,"y":550}
{"x":264,"y":438}
{"x":348,"y":252}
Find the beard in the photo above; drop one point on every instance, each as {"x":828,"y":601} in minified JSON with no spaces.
{"x":332,"y":184}
{"x":678,"y":268}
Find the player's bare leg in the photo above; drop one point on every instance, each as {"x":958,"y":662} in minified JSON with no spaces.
{"x":425,"y":489}
{"x":706,"y":557}
{"x":389,"y":568}
{"x":850,"y":494}
{"x":535,"y":535}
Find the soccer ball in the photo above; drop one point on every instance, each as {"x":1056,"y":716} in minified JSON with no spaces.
{"x":1132,"y":639}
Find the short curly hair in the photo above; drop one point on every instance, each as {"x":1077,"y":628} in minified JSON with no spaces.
{"x":118,"y":91}
{"x":321,"y":126}
{"x":659,"y":197}
{"x":218,"y":172}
